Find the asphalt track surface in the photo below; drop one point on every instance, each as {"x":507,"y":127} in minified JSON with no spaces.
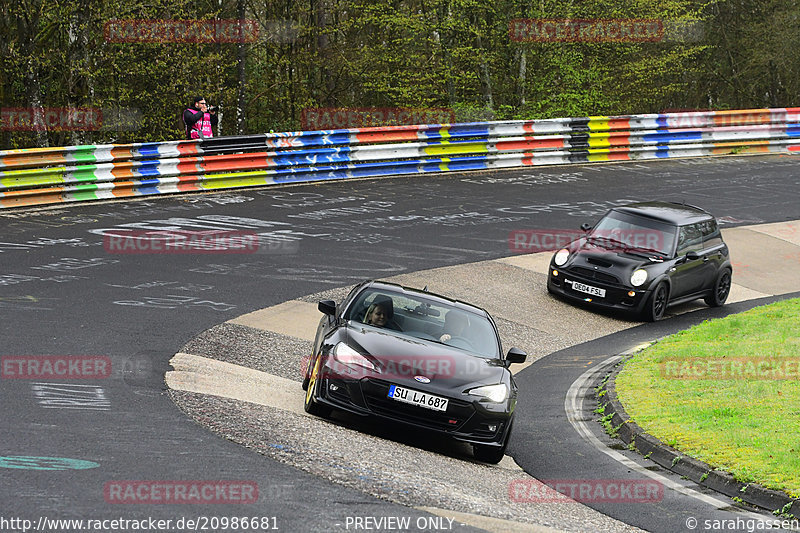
{"x":62,"y":292}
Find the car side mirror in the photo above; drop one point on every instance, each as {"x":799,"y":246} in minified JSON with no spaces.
{"x":692,"y":256}
{"x":515,"y":355}
{"x":328,"y":307}
{"x":586,"y":226}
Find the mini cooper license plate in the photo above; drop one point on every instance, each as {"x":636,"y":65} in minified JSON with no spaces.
{"x":588,"y":289}
{"x":421,"y":399}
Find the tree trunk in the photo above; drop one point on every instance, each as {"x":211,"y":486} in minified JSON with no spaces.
{"x":487,"y":80}
{"x":523,"y":71}
{"x":35,"y":101}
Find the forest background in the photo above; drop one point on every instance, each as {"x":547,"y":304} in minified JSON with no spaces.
{"x":461,"y":56}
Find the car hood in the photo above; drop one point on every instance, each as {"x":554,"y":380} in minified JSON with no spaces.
{"x":402,"y":358}
{"x":596,"y":257}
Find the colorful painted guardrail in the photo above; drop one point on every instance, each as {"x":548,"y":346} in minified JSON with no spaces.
{"x":77,"y":173}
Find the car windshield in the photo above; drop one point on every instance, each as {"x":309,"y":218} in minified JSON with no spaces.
{"x":631,"y":233}
{"x":427,"y":319}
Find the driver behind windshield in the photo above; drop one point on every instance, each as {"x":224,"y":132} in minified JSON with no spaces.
{"x":380,"y":313}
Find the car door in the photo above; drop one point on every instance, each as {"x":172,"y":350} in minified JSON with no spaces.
{"x":688,"y":275}
{"x":714,"y":252}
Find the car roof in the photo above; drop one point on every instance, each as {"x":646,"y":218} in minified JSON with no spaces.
{"x":377,"y":284}
{"x":669,"y":212}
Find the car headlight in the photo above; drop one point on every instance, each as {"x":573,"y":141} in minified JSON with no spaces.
{"x":346,"y":355}
{"x":561,"y":256}
{"x":494,"y":393}
{"x":638,"y":277}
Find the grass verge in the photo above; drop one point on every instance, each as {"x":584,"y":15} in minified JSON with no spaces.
{"x":726,"y":392}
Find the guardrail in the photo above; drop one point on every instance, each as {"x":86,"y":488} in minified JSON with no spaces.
{"x":77,"y":173}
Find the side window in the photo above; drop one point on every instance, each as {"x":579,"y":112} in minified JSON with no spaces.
{"x":711,"y":235}
{"x":690,"y":238}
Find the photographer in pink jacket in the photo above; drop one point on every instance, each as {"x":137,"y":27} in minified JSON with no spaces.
{"x":199,"y":118}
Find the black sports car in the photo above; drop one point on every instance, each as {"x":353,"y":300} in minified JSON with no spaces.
{"x":643,"y":258}
{"x":418,"y":359}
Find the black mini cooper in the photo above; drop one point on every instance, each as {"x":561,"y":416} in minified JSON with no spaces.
{"x":643,"y":258}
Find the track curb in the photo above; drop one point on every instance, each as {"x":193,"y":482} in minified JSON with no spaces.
{"x":705,"y":475}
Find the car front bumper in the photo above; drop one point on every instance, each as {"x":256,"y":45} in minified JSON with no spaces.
{"x":463,"y":421}
{"x":615,"y":297}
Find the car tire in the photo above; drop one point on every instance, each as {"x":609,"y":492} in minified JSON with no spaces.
{"x":491,"y":454}
{"x":310,"y":405}
{"x":656,"y":305}
{"x":720,"y":290}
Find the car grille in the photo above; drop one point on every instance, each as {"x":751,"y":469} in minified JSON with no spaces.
{"x":588,"y":273}
{"x":376,"y":395}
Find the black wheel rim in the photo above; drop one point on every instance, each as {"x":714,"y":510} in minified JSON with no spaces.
{"x":723,"y":287}
{"x":660,"y":302}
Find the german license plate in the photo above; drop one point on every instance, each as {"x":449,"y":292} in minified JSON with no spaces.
{"x":421,"y":399}
{"x":588,"y":289}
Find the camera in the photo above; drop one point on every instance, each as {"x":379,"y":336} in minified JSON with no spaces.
{"x":213,"y":108}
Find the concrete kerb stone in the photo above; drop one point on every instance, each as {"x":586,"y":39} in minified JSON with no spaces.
{"x":668,"y":457}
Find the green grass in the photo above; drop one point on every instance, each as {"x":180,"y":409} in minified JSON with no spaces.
{"x":726,"y":392}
